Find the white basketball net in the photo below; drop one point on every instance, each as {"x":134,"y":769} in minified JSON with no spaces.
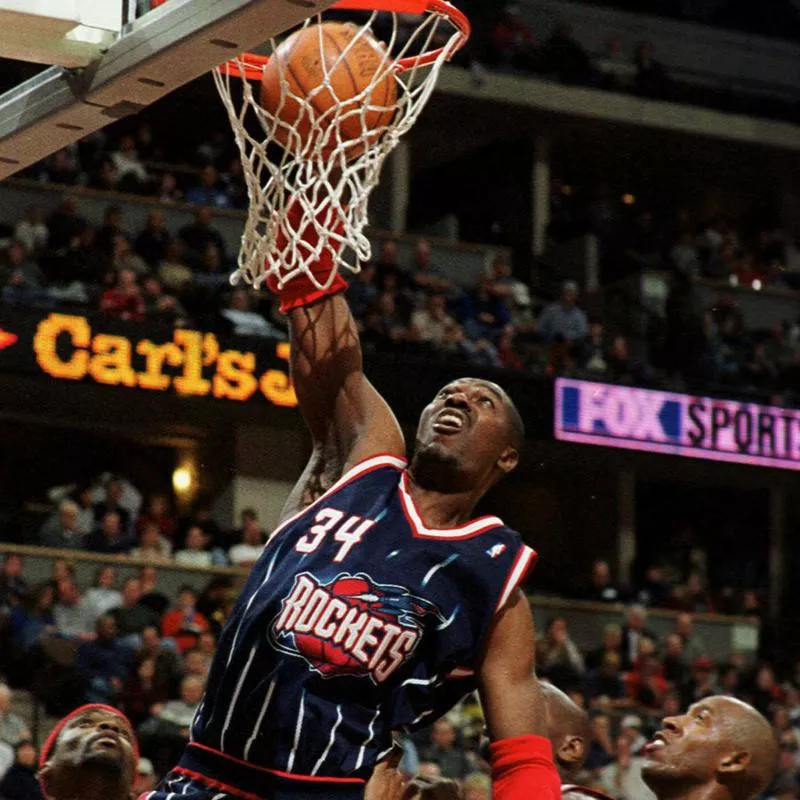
{"x":328,"y":193}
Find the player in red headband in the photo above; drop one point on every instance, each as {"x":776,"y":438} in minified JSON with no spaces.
{"x":90,"y":755}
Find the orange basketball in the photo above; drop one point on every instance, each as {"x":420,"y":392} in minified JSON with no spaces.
{"x":321,"y":78}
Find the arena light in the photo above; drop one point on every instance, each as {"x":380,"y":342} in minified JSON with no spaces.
{"x":182,"y":480}
{"x":629,"y":199}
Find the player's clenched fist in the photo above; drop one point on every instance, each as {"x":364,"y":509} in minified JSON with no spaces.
{"x":386,"y":783}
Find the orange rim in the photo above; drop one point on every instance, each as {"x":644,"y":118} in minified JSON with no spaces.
{"x":252,"y":65}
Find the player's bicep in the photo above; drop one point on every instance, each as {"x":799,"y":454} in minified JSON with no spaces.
{"x":512,"y":699}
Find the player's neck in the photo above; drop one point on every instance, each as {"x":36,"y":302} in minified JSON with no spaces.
{"x":709,"y":791}
{"x":442,"y":510}
{"x":94,"y":788}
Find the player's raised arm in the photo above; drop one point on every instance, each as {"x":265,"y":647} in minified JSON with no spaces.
{"x":349,"y":421}
{"x":522,"y":756}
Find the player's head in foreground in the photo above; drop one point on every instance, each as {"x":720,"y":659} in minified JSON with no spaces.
{"x":720,"y":749}
{"x":469,"y":436}
{"x":90,"y":755}
{"x":567,"y":729}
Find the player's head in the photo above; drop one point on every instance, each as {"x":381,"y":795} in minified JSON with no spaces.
{"x":91,"y":753}
{"x":469,"y":436}
{"x":720,"y":743}
{"x":567,"y":729}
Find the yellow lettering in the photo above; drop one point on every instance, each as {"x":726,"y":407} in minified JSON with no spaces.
{"x":234,"y":378}
{"x":156,"y":355}
{"x":277,"y":386}
{"x":44,"y":345}
{"x":198,"y":351}
{"x":111,"y":363}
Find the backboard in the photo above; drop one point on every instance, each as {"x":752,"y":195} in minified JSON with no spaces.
{"x":145,"y":60}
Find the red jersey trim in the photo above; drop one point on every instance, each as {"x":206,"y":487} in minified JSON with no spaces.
{"x":214,"y":784}
{"x":523,"y":563}
{"x":292,"y":776}
{"x":362,"y":468}
{"x":467,"y":531}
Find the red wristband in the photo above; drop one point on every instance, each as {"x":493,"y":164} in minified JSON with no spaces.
{"x":301,"y":290}
{"x":523,"y":768}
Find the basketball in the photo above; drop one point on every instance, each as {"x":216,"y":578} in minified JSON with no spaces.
{"x":328,"y":85}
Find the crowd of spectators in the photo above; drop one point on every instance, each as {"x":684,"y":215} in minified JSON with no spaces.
{"x":126,"y":642}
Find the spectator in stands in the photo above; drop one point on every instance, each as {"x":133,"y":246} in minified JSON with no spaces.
{"x":702,"y":683}
{"x":211,"y":275}
{"x":601,"y":588}
{"x":383,"y":325}
{"x":172,"y":270}
{"x":484,"y":314}
{"x":653,"y":590}
{"x":196,"y":552}
{"x":6,"y":759}
{"x":167,"y":664}
{"x":105,"y":177}
{"x":180,"y":713}
{"x":103,"y":663}
{"x":623,"y":779}
{"x":20,"y":782}
{"x":198,"y":235}
{"x":123,"y":257}
{"x":208,"y":192}
{"x":133,"y":175}
{"x":102,"y":597}
{"x":207,"y":644}
{"x":362,"y":291}
{"x":152,"y":598}
{"x":431,"y":323}
{"x":25,"y":272}
{"x":477,"y":786}
{"x":693,"y":644}
{"x":159,"y":306}
{"x":111,"y":228}
{"x":168,"y":190}
{"x":644,"y":243}
{"x":142,"y":691}
{"x":73,"y":618}
{"x":443,"y":751}
{"x":247,"y":322}
{"x":132,"y":617}
{"x":247,"y":552}
{"x":33,"y":619}
{"x":766,"y":689}
{"x":60,"y":529}
{"x":65,"y":226}
{"x":13,"y":587}
{"x":633,"y":632}
{"x":557,"y":656}
{"x":158,"y":514}
{"x":62,"y":569}
{"x":424,"y":276}
{"x":184,"y":623}
{"x":511,"y":43}
{"x":146,"y":779}
{"x":111,"y":537}
{"x":63,"y":168}
{"x":12,"y":727}
{"x":676,"y":667}
{"x":564,"y":56}
{"x":152,"y":545}
{"x":600,"y":750}
{"x":612,"y":643}
{"x":564,"y":321}
{"x":603,"y":687}
{"x":124,"y":300}
{"x":112,"y":498}
{"x":151,"y":244}
{"x":31,"y":232}
{"x":614,"y":67}
{"x":235,"y":185}
{"x":196,"y":662}
{"x":651,"y":77}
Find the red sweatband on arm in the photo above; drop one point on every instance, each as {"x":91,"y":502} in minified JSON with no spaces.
{"x":301,"y":290}
{"x":523,"y":769}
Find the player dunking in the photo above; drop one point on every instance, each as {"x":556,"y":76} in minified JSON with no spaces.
{"x":379,"y":601}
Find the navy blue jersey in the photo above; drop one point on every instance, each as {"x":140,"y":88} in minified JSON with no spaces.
{"x":356,"y":620}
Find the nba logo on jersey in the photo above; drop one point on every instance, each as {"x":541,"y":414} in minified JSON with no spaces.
{"x":350,"y":625}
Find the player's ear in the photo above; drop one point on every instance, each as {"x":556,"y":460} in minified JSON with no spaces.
{"x":733,"y":763}
{"x":571,"y":750}
{"x":508,"y":459}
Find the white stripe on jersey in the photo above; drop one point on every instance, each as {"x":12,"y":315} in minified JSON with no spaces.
{"x":420,"y":681}
{"x":260,"y":719}
{"x":518,"y":570}
{"x":297,"y":730}
{"x":360,"y":759}
{"x":235,"y":698}
{"x":419,"y":719}
{"x":433,"y":570}
{"x":327,"y":750}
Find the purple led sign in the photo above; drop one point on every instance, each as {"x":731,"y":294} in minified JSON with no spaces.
{"x":677,"y":424}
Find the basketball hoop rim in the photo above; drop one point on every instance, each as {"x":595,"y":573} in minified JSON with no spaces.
{"x":252,"y":65}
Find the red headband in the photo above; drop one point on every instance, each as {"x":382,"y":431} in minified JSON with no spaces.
{"x":56,"y":732}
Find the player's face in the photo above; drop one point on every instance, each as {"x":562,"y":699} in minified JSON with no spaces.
{"x":690,"y":747}
{"x":467,"y":423}
{"x":95,"y":740}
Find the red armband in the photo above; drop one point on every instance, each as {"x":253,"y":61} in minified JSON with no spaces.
{"x":301,"y":290}
{"x":523,"y":769}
